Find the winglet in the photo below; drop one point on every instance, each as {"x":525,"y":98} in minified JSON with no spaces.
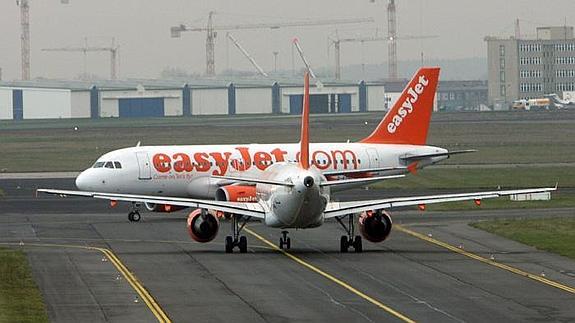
{"x":304,"y":141}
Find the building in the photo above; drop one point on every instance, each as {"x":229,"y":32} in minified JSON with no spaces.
{"x":521,"y":68}
{"x":49,"y":99}
{"x":462,"y":96}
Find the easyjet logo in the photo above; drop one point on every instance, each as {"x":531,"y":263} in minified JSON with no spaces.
{"x":407,"y":106}
{"x":218,"y":163}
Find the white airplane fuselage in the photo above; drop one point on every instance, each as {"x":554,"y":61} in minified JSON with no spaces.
{"x":185,"y":171}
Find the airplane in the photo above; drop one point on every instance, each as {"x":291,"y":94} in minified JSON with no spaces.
{"x":286,"y":186}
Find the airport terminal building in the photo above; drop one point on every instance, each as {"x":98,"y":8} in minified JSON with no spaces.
{"x":531,"y":68}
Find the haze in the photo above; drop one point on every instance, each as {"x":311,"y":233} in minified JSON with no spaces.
{"x":142,"y":28}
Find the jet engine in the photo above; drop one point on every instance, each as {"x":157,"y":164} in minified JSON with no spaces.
{"x":164,"y":208}
{"x":375,"y":226}
{"x":202,"y":225}
{"x":236,"y":193}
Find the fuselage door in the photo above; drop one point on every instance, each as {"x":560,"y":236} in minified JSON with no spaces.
{"x":373,"y":158}
{"x":145,"y":171}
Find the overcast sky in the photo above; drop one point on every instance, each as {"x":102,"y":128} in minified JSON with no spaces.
{"x":142,"y":29}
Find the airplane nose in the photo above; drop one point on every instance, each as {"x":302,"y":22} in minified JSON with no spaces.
{"x":308,"y":181}
{"x":82,"y":181}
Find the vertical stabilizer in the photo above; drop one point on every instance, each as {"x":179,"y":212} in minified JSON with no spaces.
{"x":304,"y":141}
{"x":407,"y":122}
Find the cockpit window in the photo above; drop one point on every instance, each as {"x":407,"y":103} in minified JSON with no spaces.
{"x":117,"y":164}
{"x":99,"y":164}
{"x":109,"y":165}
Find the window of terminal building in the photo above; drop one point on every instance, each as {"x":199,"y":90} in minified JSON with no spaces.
{"x":502,"y":63}
{"x":502,"y":76}
{"x":501,"y":50}
{"x":502,"y":90}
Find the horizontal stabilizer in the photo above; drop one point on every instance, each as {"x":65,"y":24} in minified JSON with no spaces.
{"x":359,"y":180}
{"x":412,"y":158}
{"x":252,"y":180}
{"x":360,"y":171}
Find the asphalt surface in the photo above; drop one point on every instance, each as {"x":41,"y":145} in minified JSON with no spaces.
{"x":199,"y":282}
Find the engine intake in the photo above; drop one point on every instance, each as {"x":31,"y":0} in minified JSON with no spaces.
{"x":202,"y":226}
{"x":375,"y":226}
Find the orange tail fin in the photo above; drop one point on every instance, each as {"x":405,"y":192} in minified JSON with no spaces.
{"x":408,"y":121}
{"x":304,"y":141}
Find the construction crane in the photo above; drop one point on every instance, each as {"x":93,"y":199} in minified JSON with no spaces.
{"x":337,"y":47}
{"x":113,"y":49}
{"x":211,"y":32}
{"x":391,"y":40}
{"x":25,"y":35}
{"x":247,"y":55}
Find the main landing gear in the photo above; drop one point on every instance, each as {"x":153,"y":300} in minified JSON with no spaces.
{"x":134,"y":214}
{"x":285,"y":241}
{"x":236,"y":240}
{"x":349,"y":240}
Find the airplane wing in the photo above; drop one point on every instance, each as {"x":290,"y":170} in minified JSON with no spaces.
{"x":255,"y":210}
{"x":334,"y":209}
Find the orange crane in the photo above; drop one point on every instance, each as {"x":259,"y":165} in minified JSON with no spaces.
{"x":113,"y":49}
{"x":211,"y":31}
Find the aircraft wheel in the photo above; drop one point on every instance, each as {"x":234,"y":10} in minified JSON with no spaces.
{"x":288,"y":243}
{"x":357,"y":244}
{"x":343,"y":244}
{"x":229,"y":244}
{"x":134,"y":216}
{"x":243,"y":245}
{"x":281,"y":244}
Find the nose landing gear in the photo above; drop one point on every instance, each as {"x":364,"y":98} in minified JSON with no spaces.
{"x":349,"y":241}
{"x":134,"y":214}
{"x":285,"y":241}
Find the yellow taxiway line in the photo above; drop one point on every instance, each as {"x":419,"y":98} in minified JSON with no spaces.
{"x":332,"y":278}
{"x":485,"y":260}
{"x":129,"y":276}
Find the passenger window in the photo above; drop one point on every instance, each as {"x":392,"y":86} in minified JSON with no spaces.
{"x":109,"y":165}
{"x":99,"y":164}
{"x":117,"y":164}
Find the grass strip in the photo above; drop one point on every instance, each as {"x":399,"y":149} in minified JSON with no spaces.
{"x":555,"y":235}
{"x":20,"y":298}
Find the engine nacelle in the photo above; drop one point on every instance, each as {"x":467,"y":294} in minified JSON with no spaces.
{"x":202,"y":227}
{"x":237,"y":193}
{"x":375,"y":226}
{"x":164,"y":208}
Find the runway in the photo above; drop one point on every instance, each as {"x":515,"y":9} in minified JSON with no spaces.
{"x":414,"y":279}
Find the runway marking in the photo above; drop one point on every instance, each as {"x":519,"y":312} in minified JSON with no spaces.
{"x":486,"y":261}
{"x":332,"y":278}
{"x":129,"y":276}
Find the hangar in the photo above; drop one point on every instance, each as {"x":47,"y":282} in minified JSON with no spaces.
{"x":52,"y":99}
